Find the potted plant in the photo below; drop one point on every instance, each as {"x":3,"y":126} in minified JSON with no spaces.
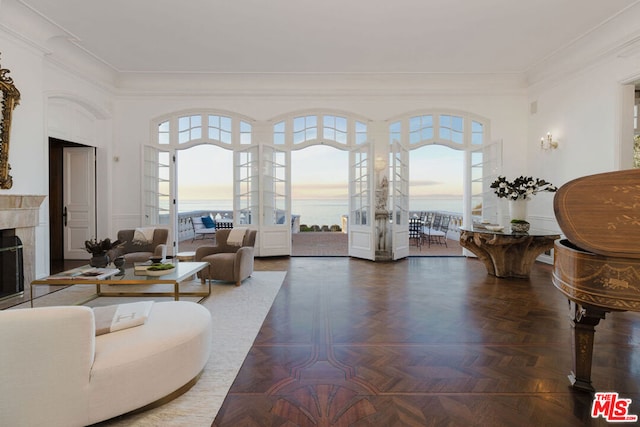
{"x":518,"y":192}
{"x":99,"y":250}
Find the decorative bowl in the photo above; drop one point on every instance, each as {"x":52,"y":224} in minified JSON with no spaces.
{"x":158,"y":272}
{"x":494,"y":227}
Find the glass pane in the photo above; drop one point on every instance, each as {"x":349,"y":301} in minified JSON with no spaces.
{"x":395,"y":131}
{"x":361,"y":133}
{"x":477,"y":133}
{"x":335,"y":128}
{"x":305,"y":129}
{"x":279,"y":133}
{"x":163,"y":133}
{"x":220,"y":129}
{"x":245,"y":133}
{"x":451,"y":128}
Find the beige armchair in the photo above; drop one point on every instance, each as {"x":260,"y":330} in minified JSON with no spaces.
{"x":136,"y":252}
{"x":227,"y":262}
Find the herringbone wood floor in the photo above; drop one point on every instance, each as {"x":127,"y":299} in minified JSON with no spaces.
{"x":422,"y":342}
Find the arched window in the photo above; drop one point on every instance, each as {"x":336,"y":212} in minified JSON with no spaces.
{"x":459,"y":131}
{"x":336,"y":129}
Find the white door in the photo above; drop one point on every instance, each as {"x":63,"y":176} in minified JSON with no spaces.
{"x":159,"y":206}
{"x":361,"y":188}
{"x":484,"y":167}
{"x":79,"y":196}
{"x":400,"y":200}
{"x":275,"y":227}
{"x":246,"y":200}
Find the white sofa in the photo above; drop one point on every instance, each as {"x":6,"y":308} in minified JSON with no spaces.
{"x":54,"y":371}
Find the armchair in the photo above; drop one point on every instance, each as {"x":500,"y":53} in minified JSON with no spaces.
{"x":135,"y":252}
{"x":227,"y":262}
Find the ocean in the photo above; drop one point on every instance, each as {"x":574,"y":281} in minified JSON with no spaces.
{"x":325,"y":211}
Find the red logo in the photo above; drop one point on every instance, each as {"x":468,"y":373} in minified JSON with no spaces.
{"x":612,"y":408}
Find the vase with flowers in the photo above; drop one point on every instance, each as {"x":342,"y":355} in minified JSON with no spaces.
{"x":519,"y":192}
{"x":99,"y":251}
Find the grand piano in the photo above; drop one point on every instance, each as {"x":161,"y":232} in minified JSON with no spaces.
{"x":597,"y":266}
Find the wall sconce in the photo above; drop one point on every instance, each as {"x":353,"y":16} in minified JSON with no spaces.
{"x":548,"y":143}
{"x":379,"y":164}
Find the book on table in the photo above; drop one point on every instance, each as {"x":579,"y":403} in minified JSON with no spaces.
{"x":90,"y":273}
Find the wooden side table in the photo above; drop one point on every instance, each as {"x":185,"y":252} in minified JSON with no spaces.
{"x":507,"y":254}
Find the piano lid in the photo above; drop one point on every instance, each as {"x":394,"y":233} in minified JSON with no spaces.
{"x":601,"y":213}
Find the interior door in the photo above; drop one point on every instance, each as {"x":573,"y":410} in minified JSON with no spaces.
{"x":399,"y":179}
{"x":275,"y":227}
{"x":79,"y":200}
{"x":361,"y":188}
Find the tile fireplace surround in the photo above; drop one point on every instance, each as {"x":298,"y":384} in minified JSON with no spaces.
{"x":20,"y":212}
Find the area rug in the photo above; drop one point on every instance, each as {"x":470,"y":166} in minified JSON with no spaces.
{"x":237,"y":315}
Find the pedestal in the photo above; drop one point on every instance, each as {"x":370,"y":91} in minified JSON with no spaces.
{"x":383,"y":246}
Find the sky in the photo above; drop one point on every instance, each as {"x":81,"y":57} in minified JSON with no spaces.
{"x":320,"y":171}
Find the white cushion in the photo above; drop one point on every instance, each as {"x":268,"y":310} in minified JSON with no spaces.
{"x":45,"y":362}
{"x":137,"y":366}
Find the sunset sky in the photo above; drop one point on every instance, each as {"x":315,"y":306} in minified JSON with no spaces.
{"x":205,"y":172}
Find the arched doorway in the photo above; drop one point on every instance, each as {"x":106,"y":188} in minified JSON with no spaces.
{"x":320,"y":200}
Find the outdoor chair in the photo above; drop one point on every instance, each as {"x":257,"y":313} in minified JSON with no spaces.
{"x":437,"y":233}
{"x":415,"y":231}
{"x":204,"y":230}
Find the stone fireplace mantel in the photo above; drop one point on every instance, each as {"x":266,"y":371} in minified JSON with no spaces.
{"x":20,"y":212}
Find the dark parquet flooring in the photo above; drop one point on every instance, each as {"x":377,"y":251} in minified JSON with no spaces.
{"x":422,"y":342}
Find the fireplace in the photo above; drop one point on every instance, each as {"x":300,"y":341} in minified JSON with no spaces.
{"x":11,"y":265}
{"x":20,"y":213}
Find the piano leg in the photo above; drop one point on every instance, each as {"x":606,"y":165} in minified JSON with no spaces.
{"x":583,"y":320}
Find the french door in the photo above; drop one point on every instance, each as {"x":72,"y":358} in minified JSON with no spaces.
{"x":399,"y":182}
{"x":361,"y":227}
{"x":275,"y":224}
{"x":484,"y":165}
{"x":159,"y":192}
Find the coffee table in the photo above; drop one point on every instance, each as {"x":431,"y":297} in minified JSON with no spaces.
{"x":181,"y":272}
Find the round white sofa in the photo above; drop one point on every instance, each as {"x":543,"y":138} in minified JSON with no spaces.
{"x":56,"y":372}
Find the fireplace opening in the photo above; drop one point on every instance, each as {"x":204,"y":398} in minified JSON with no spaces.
{"x":11,"y":265}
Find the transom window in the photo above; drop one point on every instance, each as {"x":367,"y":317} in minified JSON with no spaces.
{"x":451,"y":128}
{"x":335,"y":128}
{"x":420,"y":129}
{"x":447,"y":129}
{"x":189,"y":128}
{"x":305,"y":129}
{"x":163,"y":133}
{"x":312,"y":128}
{"x":220,"y":129}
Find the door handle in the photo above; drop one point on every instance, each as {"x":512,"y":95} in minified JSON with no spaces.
{"x":64,"y":216}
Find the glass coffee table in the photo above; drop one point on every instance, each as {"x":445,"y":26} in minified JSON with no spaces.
{"x":82,"y":276}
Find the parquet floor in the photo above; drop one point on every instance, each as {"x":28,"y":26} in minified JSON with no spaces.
{"x":422,"y":342}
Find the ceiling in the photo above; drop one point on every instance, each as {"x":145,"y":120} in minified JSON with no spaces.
{"x":326,"y":36}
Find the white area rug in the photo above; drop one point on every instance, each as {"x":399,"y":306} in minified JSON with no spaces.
{"x":237,"y":314}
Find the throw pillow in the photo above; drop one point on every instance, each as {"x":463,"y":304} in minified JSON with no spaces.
{"x":208,"y":222}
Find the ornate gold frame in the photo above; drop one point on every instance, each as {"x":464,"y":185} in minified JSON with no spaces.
{"x":9,"y":98}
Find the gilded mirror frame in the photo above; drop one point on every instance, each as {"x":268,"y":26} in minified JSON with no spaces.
{"x":9,"y":99}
